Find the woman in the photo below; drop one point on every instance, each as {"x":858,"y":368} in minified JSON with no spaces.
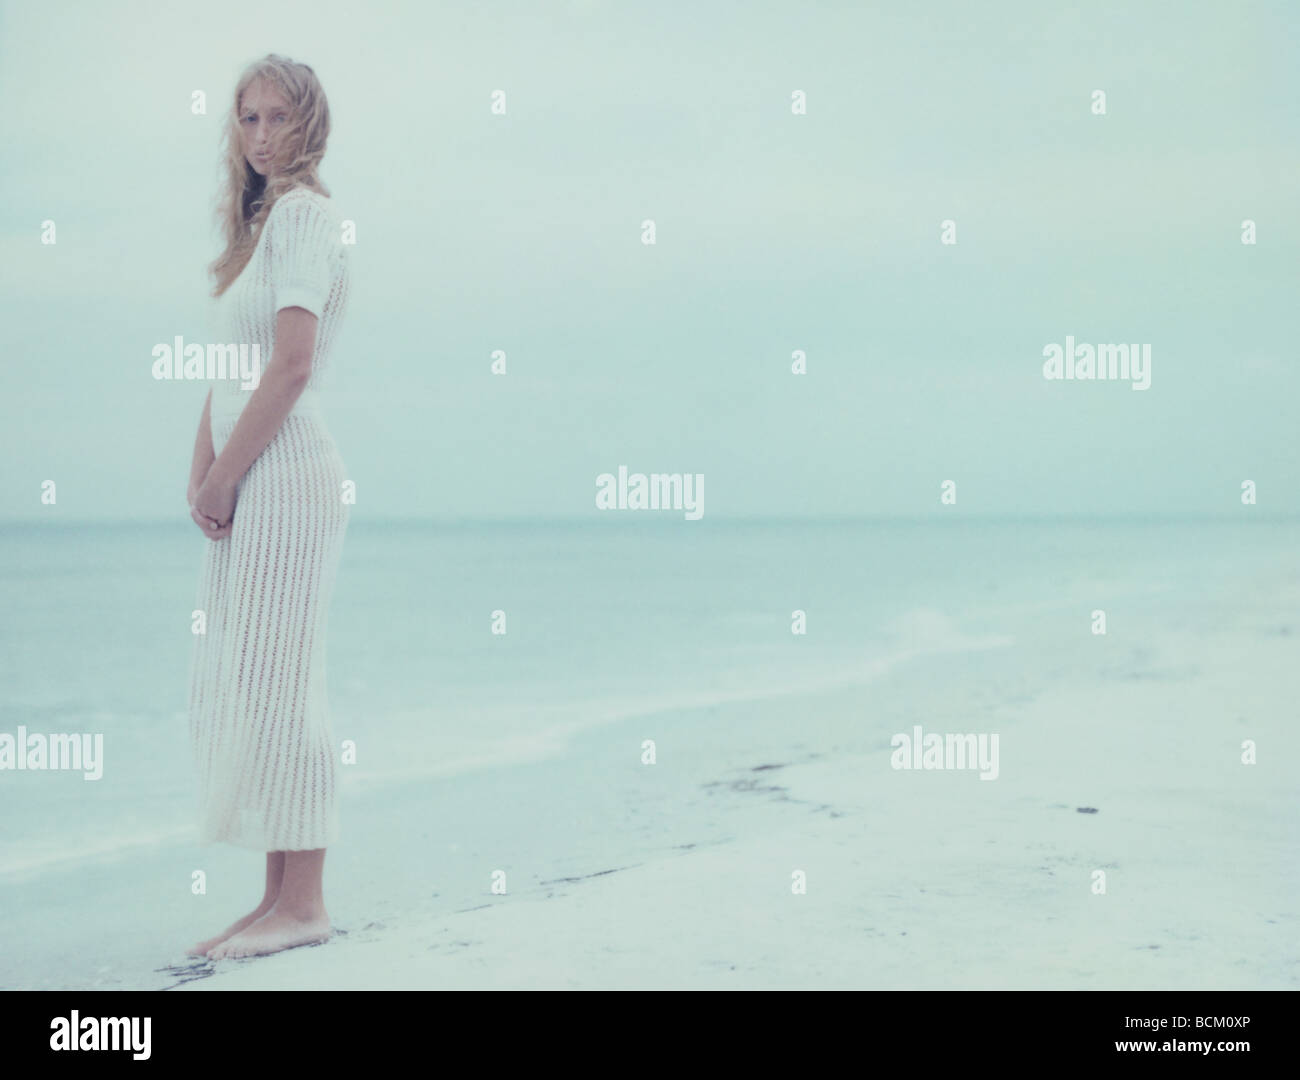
{"x":266,"y":487}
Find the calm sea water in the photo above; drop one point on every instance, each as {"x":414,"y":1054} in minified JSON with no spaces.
{"x":601,"y":620}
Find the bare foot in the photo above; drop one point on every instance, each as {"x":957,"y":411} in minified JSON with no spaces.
{"x":204,"y":947}
{"x":274,"y":931}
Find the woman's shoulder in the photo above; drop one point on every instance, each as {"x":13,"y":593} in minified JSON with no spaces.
{"x":303,"y":198}
{"x":304,"y":192}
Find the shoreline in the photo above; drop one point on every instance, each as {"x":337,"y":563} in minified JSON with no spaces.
{"x":680,"y":874}
{"x":914,"y":880}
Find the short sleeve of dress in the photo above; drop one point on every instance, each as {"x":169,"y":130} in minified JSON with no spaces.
{"x":304,"y":244}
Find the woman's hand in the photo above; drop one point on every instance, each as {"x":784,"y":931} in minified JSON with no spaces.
{"x":207,"y":525}
{"x":210,"y":528}
{"x":212,"y":507}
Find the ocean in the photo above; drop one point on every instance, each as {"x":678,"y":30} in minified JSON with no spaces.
{"x":600,"y":621}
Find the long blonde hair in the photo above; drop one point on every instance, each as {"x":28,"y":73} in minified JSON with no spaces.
{"x":247,"y":196}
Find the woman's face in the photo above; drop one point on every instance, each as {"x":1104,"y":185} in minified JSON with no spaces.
{"x":263,"y":112}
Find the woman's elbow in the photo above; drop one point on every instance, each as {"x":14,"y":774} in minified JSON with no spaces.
{"x":295,"y":368}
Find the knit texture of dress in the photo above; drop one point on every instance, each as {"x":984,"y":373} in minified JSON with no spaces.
{"x":259,"y":716}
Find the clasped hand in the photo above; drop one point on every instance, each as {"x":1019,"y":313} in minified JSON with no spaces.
{"x":212,"y":506}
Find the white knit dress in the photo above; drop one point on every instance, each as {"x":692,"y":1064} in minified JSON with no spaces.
{"x":259,"y":715}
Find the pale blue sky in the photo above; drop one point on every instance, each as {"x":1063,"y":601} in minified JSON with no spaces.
{"x":775,"y":232}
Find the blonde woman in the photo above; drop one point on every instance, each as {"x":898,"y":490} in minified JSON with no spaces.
{"x":266,"y":489}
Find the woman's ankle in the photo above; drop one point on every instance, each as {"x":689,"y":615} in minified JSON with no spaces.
{"x":306,"y":909}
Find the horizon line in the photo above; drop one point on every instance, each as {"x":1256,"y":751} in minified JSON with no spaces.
{"x":664,"y":516}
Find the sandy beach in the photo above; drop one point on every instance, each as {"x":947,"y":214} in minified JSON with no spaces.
{"x":1114,"y":757}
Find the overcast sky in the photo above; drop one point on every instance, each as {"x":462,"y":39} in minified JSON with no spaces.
{"x":775,"y":232}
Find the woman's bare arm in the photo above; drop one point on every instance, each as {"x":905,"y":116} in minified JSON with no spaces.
{"x":203,"y":454}
{"x":280,"y":385}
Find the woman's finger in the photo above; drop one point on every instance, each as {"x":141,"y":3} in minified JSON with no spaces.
{"x":212,"y":529}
